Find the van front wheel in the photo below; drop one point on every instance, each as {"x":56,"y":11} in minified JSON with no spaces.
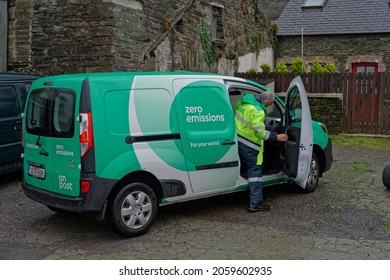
{"x":314,"y":174}
{"x":133,"y":210}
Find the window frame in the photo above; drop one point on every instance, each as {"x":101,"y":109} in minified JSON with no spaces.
{"x":365,"y":65}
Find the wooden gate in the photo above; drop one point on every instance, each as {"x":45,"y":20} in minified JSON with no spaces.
{"x":367,"y":104}
{"x":366,"y":97}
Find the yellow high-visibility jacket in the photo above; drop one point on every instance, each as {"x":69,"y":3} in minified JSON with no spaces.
{"x":249,"y":118}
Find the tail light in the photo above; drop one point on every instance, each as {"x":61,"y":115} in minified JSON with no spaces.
{"x":85,"y":185}
{"x":86,"y":133}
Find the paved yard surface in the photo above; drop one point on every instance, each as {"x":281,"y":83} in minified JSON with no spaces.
{"x":347,"y":217}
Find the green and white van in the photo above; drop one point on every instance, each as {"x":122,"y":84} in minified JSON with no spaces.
{"x":122,"y":144}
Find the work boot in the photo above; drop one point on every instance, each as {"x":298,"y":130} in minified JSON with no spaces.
{"x":259,"y":207}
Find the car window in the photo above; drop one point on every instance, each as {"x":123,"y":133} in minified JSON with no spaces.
{"x":51,"y":112}
{"x":273,"y":110}
{"x":295,"y":106}
{"x":8,"y":102}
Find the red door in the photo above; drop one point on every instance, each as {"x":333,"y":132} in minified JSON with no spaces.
{"x":363,"y":101}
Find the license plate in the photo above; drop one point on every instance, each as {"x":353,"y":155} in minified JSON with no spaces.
{"x":36,"y":171}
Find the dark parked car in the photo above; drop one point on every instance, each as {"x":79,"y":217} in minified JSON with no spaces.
{"x":13,"y":91}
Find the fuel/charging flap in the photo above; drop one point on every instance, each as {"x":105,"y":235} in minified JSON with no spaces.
{"x":298,"y":124}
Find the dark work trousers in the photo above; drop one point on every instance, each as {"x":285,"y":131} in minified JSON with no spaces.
{"x":249,"y":156}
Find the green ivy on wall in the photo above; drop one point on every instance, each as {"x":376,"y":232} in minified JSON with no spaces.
{"x":208,"y":47}
{"x":254,"y":36}
{"x":273,"y":35}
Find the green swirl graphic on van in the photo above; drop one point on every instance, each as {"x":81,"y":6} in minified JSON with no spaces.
{"x":192,"y":127}
{"x":204,"y":116}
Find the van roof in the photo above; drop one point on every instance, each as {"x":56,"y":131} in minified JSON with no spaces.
{"x":17,"y":76}
{"x":124,"y":74}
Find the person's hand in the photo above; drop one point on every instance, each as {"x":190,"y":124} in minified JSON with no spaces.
{"x":282,"y":137}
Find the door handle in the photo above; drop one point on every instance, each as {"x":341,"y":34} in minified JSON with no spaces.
{"x":228,"y":142}
{"x":44,"y":153}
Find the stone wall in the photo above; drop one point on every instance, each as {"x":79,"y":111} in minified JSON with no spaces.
{"x":70,"y":36}
{"x":20,"y":35}
{"x":172,"y":40}
{"x":340,"y":50}
{"x":326,"y":108}
{"x":3,"y":34}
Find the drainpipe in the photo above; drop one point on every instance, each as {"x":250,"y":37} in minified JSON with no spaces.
{"x":3,"y":34}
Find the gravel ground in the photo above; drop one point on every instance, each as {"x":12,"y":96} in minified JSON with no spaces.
{"x":347,"y":217}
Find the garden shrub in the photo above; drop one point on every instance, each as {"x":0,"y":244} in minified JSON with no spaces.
{"x":281,"y":67}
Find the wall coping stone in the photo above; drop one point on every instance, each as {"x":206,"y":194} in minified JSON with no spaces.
{"x":338,"y":95}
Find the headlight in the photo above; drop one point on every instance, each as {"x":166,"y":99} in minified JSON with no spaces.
{"x":324,"y":128}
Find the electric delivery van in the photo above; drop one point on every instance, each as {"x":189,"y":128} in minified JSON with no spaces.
{"x":122,"y":144}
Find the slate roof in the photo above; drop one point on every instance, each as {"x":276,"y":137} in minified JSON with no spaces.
{"x":272,"y":9}
{"x":336,"y":17}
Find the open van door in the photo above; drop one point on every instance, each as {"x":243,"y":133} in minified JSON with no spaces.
{"x":298,"y":124}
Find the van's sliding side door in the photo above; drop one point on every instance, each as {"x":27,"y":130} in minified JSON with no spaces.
{"x":207,"y":132}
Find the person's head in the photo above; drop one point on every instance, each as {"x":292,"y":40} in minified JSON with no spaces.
{"x":266,"y":97}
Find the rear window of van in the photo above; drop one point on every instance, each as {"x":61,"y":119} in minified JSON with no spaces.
{"x":51,"y":112}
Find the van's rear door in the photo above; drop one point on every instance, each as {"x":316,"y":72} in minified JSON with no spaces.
{"x":52,"y":149}
{"x":297,"y":120}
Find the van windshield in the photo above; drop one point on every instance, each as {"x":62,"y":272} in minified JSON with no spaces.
{"x":50,"y":112}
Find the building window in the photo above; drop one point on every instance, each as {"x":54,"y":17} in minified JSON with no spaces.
{"x":216,"y":24}
{"x":314,"y":3}
{"x":365,"y":67}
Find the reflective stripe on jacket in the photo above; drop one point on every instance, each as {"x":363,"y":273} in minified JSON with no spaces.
{"x":249,"y":117}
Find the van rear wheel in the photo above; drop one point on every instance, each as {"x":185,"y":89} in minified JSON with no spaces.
{"x":133,"y":210}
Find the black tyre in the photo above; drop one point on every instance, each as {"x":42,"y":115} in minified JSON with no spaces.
{"x":386,"y":176}
{"x":314,"y":175}
{"x":133,"y":210}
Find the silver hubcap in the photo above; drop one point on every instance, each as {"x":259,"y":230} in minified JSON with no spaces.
{"x":136,"y":209}
{"x":313,"y":173}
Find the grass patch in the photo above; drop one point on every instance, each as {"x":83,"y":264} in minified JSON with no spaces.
{"x":360,"y":167}
{"x":374,"y":143}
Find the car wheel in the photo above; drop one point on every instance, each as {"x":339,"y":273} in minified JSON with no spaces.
{"x":314,"y":175}
{"x":133,"y":210}
{"x":386,"y":176}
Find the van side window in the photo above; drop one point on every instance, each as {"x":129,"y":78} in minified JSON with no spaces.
{"x":8,"y":102}
{"x":236,"y":94}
